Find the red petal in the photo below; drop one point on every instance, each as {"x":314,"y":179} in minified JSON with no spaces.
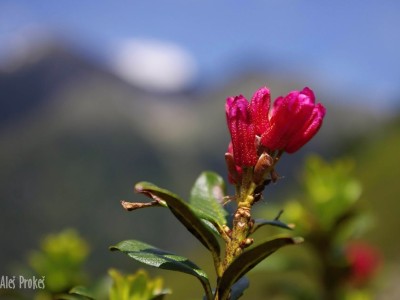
{"x":242,"y":132}
{"x":259,"y":109}
{"x":294,"y":121}
{"x":307,"y":132}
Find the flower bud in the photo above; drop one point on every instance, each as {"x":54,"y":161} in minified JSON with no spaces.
{"x":234,"y":171}
{"x":259,"y":110}
{"x":256,"y":129}
{"x":247,"y":242}
{"x":242,"y":131}
{"x":264,"y":162}
{"x":309,"y":129}
{"x":294,"y":120}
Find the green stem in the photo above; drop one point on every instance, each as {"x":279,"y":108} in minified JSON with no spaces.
{"x":241,"y":220}
{"x":208,"y":291}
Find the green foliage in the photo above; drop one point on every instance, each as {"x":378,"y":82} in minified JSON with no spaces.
{"x":258,"y":223}
{"x":248,"y":260}
{"x":137,"y":286}
{"x":155,"y":257}
{"x":72,"y":297}
{"x":205,"y":217}
{"x":60,"y":260}
{"x":184,"y":214}
{"x":206,"y":198}
{"x":330,"y":188}
{"x":328,"y":217}
{"x":80,"y":291}
{"x":330,"y":194}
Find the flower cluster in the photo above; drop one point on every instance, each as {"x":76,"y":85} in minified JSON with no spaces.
{"x":258,"y":128}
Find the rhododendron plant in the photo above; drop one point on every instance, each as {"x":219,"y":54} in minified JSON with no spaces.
{"x":259,"y":136}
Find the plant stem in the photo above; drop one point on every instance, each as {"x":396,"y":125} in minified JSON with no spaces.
{"x":241,"y":221}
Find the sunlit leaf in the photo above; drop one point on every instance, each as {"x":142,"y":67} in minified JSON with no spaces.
{"x":158,"y":258}
{"x":135,"y":286}
{"x":248,"y":260}
{"x":207,"y":196}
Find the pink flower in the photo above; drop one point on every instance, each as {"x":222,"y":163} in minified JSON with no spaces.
{"x":293,"y":121}
{"x":242,"y":131}
{"x":364,"y":261}
{"x":259,"y":110}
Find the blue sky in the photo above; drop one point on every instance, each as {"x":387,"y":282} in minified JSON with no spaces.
{"x":353,"y":45}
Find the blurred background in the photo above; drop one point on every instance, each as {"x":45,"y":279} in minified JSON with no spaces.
{"x":96,"y":96}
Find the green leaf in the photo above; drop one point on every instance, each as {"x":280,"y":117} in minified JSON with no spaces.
{"x":277,"y":223}
{"x":71,"y":297}
{"x":211,"y":227}
{"x":82,"y":291}
{"x":207,"y":196}
{"x":248,"y":260}
{"x":238,"y":288}
{"x":184,"y":214}
{"x":159,"y":297}
{"x":158,"y":258}
{"x":135,"y":286}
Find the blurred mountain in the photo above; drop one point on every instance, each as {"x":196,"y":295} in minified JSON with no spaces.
{"x":28,"y":80}
{"x":74,"y":138}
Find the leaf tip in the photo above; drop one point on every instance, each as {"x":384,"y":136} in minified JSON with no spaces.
{"x":139,"y":187}
{"x":298,"y":240}
{"x":113,"y":248}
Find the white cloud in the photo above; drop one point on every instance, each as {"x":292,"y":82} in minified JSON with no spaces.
{"x":153,"y":64}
